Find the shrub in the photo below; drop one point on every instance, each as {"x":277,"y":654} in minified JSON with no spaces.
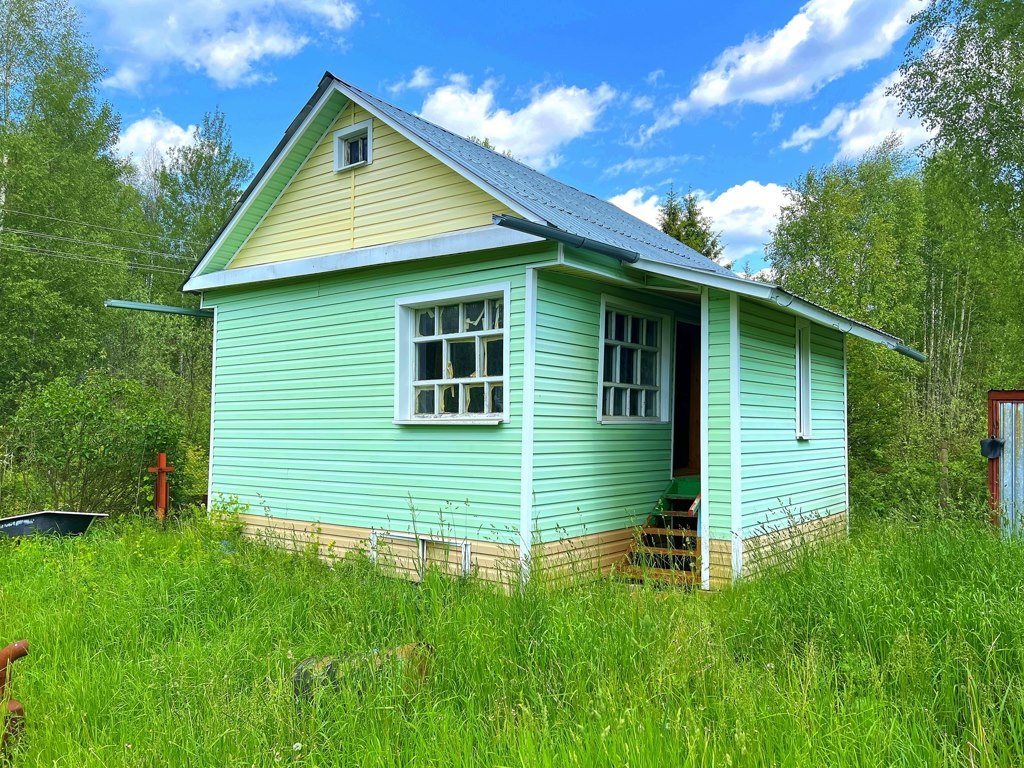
{"x":85,"y":446}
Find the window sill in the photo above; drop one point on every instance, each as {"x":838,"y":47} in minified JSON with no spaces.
{"x":628,"y":422}
{"x":343,"y":168}
{"x":464,"y":421}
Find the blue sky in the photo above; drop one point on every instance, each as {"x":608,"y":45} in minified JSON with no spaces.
{"x":733,"y":99}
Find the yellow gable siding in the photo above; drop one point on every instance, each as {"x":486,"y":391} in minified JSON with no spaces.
{"x":402,"y":195}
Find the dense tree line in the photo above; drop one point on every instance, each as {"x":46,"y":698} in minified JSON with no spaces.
{"x":79,"y":225}
{"x":930,"y":247}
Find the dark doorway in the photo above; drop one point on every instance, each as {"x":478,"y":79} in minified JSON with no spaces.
{"x":686,"y":424}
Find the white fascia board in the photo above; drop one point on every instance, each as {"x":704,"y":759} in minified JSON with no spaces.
{"x":776,"y":295}
{"x":437,"y":155}
{"x":465,"y":241}
{"x":264,"y":180}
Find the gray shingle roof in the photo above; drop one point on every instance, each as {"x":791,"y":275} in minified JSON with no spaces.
{"x":555,"y":203}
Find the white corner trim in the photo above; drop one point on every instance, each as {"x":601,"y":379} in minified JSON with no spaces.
{"x":529,"y":406}
{"x":213,"y":410}
{"x":846,"y":437}
{"x":705,"y":474}
{"x":735,"y":436}
{"x":464,"y":241}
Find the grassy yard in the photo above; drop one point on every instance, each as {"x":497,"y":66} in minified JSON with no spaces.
{"x":903,"y":646}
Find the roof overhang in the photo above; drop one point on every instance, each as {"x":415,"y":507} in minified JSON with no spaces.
{"x":775,"y":294}
{"x":464,"y":241}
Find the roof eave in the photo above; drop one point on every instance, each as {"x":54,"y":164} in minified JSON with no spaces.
{"x":301,"y":119}
{"x":783,"y":298}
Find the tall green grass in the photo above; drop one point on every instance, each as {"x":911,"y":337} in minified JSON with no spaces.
{"x":902,"y":646}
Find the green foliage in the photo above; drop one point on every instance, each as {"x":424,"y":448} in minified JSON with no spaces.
{"x":963,"y":75}
{"x":902,"y":646}
{"x":85,"y":447}
{"x":198,"y":186}
{"x":684,"y":220}
{"x":78,"y":226}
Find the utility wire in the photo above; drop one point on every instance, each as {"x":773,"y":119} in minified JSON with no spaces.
{"x":99,"y":226}
{"x":93,"y":259}
{"x":93,"y":243}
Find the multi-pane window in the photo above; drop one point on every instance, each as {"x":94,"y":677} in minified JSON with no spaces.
{"x":458,"y":358}
{"x":631,"y":366}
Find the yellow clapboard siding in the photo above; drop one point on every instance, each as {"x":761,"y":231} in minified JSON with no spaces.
{"x":404,"y":194}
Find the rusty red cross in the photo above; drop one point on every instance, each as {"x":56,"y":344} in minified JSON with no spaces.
{"x":160,"y":496}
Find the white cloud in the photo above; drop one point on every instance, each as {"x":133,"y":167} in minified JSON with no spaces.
{"x":642,"y":103}
{"x":654,"y":76}
{"x":155,"y":133}
{"x":422,"y":77}
{"x":646,"y":166}
{"x":823,"y":41}
{"x":634,"y":202}
{"x":805,"y":136}
{"x":859,"y":128}
{"x":228,"y":40}
{"x":535,"y":133}
{"x":745,"y":214}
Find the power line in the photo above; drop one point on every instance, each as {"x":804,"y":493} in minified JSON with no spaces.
{"x":95,"y":244}
{"x":99,"y":226}
{"x":94,"y":259}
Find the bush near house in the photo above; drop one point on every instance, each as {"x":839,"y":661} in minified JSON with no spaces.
{"x":901,"y":646}
{"x":84,"y":446}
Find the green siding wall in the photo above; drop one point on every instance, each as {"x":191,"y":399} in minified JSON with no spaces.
{"x":304,"y":403}
{"x":783,"y":476}
{"x":588,"y":477}
{"x":718,"y":497}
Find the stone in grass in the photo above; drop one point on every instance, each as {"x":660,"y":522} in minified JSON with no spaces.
{"x":411,"y":661}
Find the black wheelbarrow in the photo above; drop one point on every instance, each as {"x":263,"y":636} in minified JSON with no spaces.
{"x":48,"y":522}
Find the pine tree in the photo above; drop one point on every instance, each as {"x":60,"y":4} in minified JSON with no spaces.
{"x":683,"y":219}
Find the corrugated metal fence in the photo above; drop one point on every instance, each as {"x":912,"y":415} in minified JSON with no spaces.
{"x":1006,"y":473}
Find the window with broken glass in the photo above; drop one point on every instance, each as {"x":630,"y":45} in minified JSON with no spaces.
{"x":458,"y":363}
{"x":631,"y":366}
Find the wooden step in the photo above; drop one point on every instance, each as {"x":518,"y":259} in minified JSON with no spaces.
{"x":649,"y":530}
{"x":664,"y":575}
{"x":676,"y":513}
{"x":643,"y":549}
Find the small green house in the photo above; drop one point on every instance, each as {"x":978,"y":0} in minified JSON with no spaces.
{"x":425,"y":348}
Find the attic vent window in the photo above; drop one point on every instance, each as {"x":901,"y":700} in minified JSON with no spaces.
{"x":353,"y":146}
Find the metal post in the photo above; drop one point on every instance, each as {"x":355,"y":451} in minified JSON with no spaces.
{"x":160,"y":495}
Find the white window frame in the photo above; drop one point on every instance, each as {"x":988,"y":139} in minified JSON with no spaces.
{"x":341,"y":138}
{"x":802,"y":349}
{"x":663,"y":376}
{"x":405,"y":316}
